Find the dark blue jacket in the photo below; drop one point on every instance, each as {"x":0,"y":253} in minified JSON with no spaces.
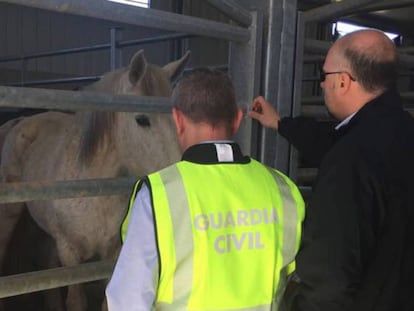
{"x":358,"y":250}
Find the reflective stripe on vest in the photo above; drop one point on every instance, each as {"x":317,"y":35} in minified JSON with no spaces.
{"x":124,"y":226}
{"x":233,"y":253}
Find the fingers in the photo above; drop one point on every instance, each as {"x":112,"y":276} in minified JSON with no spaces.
{"x":264,"y":112}
{"x":258,"y":103}
{"x":253,"y":114}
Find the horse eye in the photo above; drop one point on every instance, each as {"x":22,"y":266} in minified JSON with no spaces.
{"x":143,"y":120}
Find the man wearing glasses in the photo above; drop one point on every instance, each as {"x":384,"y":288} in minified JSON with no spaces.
{"x":357,"y":252}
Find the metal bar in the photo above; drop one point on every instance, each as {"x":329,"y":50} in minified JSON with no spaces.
{"x":297,"y":86}
{"x":306,"y":175}
{"x":322,"y":47}
{"x":406,"y":60}
{"x":51,"y":190}
{"x":279,"y":77}
{"x":318,"y":112}
{"x":97,"y":47}
{"x":317,"y":46}
{"x":406,"y":49}
{"x":155,"y":39}
{"x":321,"y":113}
{"x":82,"y":101}
{"x":25,"y":283}
{"x":55,"y":53}
{"x":408,"y":95}
{"x":233,"y":10}
{"x":141,"y":17}
{"x":312,"y":100}
{"x":334,"y":10}
{"x":385,"y":5}
{"x":246,"y":77}
{"x":55,"y":81}
{"x":313,"y":58}
{"x":115,"y":53}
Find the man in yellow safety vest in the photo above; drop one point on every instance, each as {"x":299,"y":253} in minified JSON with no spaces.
{"x":217,"y":230}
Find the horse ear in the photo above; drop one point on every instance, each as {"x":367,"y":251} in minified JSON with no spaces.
{"x":174,"y":69}
{"x":137,"y":67}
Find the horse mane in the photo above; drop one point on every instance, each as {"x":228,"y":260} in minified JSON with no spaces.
{"x":97,"y":126}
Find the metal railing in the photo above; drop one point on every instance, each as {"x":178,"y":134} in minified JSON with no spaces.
{"x":42,"y":98}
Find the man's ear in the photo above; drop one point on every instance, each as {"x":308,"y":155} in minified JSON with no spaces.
{"x":178,"y":120}
{"x":344,"y":82}
{"x":237,"y":121}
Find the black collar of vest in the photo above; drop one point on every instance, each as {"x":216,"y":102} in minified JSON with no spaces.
{"x":205,"y":153}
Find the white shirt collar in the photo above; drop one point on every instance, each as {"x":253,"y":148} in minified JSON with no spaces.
{"x":345,"y":121}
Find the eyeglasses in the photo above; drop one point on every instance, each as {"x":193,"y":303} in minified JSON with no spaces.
{"x":323,"y":74}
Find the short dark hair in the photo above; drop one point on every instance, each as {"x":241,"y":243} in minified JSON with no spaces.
{"x":206,"y":95}
{"x":373,"y":73}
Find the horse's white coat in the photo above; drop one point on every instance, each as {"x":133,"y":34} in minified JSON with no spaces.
{"x":59,"y":146}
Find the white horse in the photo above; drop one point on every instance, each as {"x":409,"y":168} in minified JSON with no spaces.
{"x":58,"y":146}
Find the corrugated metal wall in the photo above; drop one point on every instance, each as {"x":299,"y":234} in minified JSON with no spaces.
{"x":25,"y":31}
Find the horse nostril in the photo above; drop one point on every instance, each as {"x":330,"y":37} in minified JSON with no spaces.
{"x":143,"y":120}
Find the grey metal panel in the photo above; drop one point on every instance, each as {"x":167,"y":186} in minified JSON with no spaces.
{"x":12,"y":28}
{"x":140,"y":16}
{"x":233,"y":10}
{"x":244,"y":68}
{"x":3,"y":27}
{"x":336,"y":9}
{"x":43,"y":38}
{"x":58,"y":40}
{"x":279,"y":75}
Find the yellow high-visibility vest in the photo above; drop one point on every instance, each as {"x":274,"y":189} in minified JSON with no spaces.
{"x":227,"y":235}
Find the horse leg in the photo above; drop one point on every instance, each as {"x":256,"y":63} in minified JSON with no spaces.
{"x":68,"y":255}
{"x":9,"y":216}
{"x":54,"y":299}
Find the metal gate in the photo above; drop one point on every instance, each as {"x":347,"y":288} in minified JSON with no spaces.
{"x":244,"y":66}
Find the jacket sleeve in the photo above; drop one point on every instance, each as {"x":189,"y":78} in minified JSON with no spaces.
{"x":310,"y":137}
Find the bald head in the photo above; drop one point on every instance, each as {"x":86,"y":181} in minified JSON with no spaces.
{"x":371,"y":57}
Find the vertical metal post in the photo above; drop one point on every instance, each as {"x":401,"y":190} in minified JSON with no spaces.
{"x":244,"y":68}
{"x":297,"y":86}
{"x":279,"y":77}
{"x":115,"y":52}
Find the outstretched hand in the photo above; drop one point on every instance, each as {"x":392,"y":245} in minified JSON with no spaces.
{"x":265,"y":113}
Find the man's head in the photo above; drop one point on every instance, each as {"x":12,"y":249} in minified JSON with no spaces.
{"x":358,"y":67}
{"x":204,"y":107}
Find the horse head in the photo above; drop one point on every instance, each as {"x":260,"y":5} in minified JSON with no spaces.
{"x":144,"y":142}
